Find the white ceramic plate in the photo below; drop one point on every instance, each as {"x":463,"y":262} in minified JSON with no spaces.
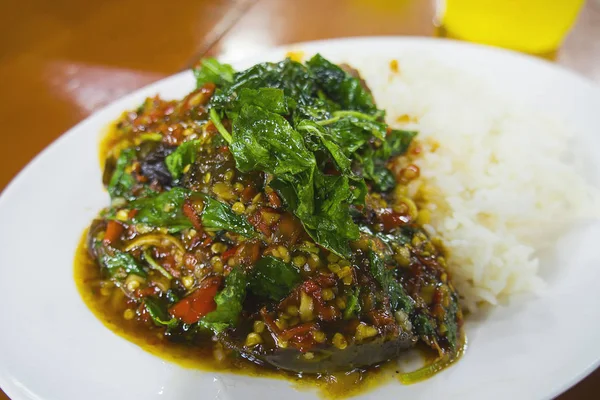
{"x":52,"y":347}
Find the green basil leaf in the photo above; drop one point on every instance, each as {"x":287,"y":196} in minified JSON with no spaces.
{"x":211,"y":70}
{"x":122,"y":182}
{"x":158,"y":312}
{"x":184,"y":155}
{"x":273,"y":279}
{"x":229,"y":303}
{"x":217,"y":215}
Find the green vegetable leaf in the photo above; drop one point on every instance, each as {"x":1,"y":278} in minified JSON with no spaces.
{"x":290,"y":76}
{"x":184,"y":155}
{"x":341,"y":160}
{"x":271,"y":99}
{"x":451,"y":332}
{"x":425,"y":326}
{"x":352,"y":305}
{"x":217,"y":216}
{"x":166,"y":210}
{"x":163,"y":210}
{"x":118,"y":263}
{"x":396,"y":143}
{"x":374,"y":170}
{"x":229,"y":303}
{"x":331,"y":224}
{"x":121,"y":182}
{"x":158,"y":313}
{"x":211,"y":70}
{"x":399,"y":300}
{"x":265,"y":141}
{"x":273,"y":278}
{"x":340,"y":86}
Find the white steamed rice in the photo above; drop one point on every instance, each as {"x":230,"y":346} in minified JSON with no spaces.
{"x":494,"y":175}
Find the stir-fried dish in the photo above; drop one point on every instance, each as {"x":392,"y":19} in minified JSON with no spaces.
{"x":265,"y":218}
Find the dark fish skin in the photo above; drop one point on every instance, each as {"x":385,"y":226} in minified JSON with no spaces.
{"x":328,"y":359}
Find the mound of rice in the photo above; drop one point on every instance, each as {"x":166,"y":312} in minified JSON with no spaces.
{"x":493,"y":175}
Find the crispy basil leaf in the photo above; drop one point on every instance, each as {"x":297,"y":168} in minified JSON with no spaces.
{"x":217,"y":215}
{"x":340,"y":86}
{"x":265,"y":141}
{"x":273,"y":279}
{"x":211,"y":70}
{"x":158,"y":312}
{"x":185,"y":154}
{"x":353,"y":304}
{"x":166,"y":210}
{"x":290,"y":76}
{"x":312,"y":128}
{"x":118,"y":263}
{"x":399,"y":300}
{"x":122,"y":182}
{"x":229,"y":303}
{"x":396,"y":143}
{"x":163,"y":210}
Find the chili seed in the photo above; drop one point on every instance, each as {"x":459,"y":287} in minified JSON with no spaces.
{"x":335,"y":268}
{"x":238,"y":207}
{"x":228,"y":175}
{"x":364,"y":331}
{"x":281,"y":324}
{"x":188,"y":281}
{"x":284,"y":254}
{"x":122,"y":215}
{"x":299,"y":261}
{"x":319,"y":336}
{"x":128,"y":314}
{"x":218,"y":248}
{"x":257,"y":198}
{"x":253,"y":339}
{"x":306,"y":307}
{"x":332,"y":258}
{"x":327,"y":294}
{"x":258,"y":326}
{"x":339,"y":341}
{"x":292,"y":310}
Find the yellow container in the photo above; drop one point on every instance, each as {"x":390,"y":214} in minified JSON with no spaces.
{"x":531,"y":26}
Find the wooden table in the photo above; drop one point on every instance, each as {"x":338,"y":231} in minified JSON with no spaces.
{"x":61,"y":60}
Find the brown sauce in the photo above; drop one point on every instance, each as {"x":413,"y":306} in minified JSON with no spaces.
{"x":109,"y":304}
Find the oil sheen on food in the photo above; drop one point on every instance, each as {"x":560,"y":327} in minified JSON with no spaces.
{"x":263,"y":225}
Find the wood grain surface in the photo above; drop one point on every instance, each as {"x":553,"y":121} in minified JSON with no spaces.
{"x":61,"y":60}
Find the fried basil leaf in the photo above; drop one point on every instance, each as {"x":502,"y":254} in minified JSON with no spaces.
{"x":158,"y":312}
{"x":122,"y":182}
{"x":163,"y":210}
{"x":229,"y":303}
{"x":211,"y":70}
{"x":184,"y":155}
{"x":340,"y":86}
{"x":217,"y":215}
{"x":273,"y":279}
{"x":265,"y":141}
{"x":118,"y":263}
{"x":353,"y":304}
{"x":398,"y":298}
